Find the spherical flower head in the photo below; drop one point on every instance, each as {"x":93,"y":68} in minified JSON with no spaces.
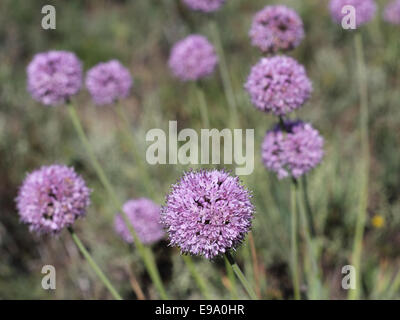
{"x":276,"y":28}
{"x":207,"y":213}
{"x":279,"y":85}
{"x":108,"y":82}
{"x":204,"y":5}
{"x":144,"y":216}
{"x":391,"y":13}
{"x":192,"y":58}
{"x":293,"y":150}
{"x":52,"y":198}
{"x":364,"y":9}
{"x":54,"y":76}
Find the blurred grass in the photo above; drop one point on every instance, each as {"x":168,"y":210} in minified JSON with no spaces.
{"x":140,"y":34}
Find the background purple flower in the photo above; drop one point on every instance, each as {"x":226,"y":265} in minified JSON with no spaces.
{"x":276,"y":28}
{"x":278,"y":85}
{"x":144,"y":216}
{"x":293,"y":151}
{"x":52,"y":198}
{"x":204,"y":5}
{"x":192,"y":58}
{"x":207,"y":213}
{"x":108,"y":82}
{"x":391,"y":13}
{"x":54,"y":76}
{"x":365,"y":10}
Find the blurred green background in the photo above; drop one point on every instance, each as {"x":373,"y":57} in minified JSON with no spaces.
{"x":140,"y":34}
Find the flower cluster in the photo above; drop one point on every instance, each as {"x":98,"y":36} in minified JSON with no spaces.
{"x":192,"y":58}
{"x":365,"y":10}
{"x":391,"y":13}
{"x":292,"y":149}
{"x":276,"y":28}
{"x":204,"y":5}
{"x":207,"y":213}
{"x":54,"y":76}
{"x":144,"y":215}
{"x":108,"y":82}
{"x":279,"y":85}
{"x":52,"y":198}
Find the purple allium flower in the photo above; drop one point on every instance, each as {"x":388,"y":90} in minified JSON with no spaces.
{"x":54,"y":76}
{"x":52,"y":198}
{"x":192,"y":58}
{"x":278,"y":85}
{"x":108,"y":82}
{"x":293,"y":151}
{"x":144,"y":216}
{"x":204,"y":5}
{"x":276,"y":28}
{"x":207,"y":213}
{"x":365,"y":10}
{"x":391,"y":13}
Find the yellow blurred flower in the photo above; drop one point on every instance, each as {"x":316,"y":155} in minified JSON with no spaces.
{"x":378,"y":221}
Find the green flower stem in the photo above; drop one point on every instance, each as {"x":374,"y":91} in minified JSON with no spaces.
{"x":293,"y":240}
{"x":241,"y":276}
{"x":226,"y":79}
{"x":306,"y":199}
{"x":203,"y":107}
{"x":197,"y":277}
{"x":232,"y":280}
{"x":145,"y":253}
{"x":94,"y":265}
{"x":364,"y":165}
{"x":313,"y":273}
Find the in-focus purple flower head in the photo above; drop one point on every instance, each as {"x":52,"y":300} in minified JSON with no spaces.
{"x":276,"y":28}
{"x":54,"y":76}
{"x":192,"y":58}
{"x":365,"y":10}
{"x":292,"y":151}
{"x":108,"y":82}
{"x":52,"y":198}
{"x":204,"y":5}
{"x":144,"y":215}
{"x":279,"y":85}
{"x":207,"y":213}
{"x":391,"y":13}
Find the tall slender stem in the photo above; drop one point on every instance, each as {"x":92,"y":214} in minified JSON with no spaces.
{"x":310,"y":216}
{"x":293,"y":238}
{"x":232,"y":280}
{"x":241,"y":276}
{"x":94,"y":265}
{"x":145,"y":253}
{"x":313,"y":274}
{"x":364,"y":165}
{"x":197,"y":277}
